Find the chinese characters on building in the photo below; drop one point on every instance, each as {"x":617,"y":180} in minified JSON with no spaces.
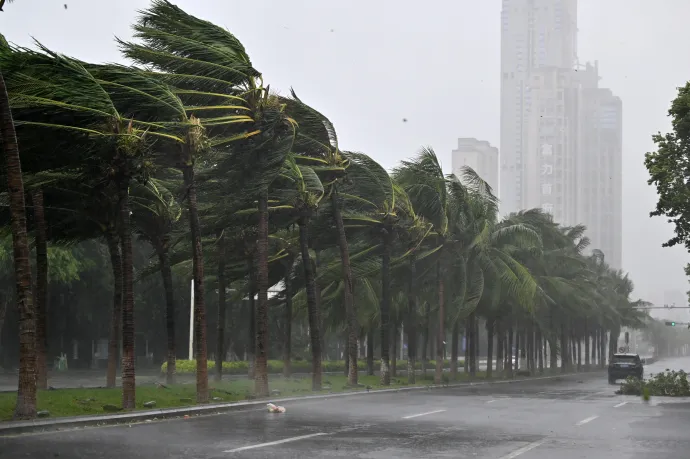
{"x":547,"y":176}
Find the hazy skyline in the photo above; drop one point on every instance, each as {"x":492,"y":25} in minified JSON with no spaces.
{"x":369,"y":65}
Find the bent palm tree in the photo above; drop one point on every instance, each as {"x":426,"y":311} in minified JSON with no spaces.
{"x":26,"y":390}
{"x":316,"y":145}
{"x":213,"y":74}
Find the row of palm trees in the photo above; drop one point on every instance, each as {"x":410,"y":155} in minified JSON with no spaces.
{"x":190,"y":150}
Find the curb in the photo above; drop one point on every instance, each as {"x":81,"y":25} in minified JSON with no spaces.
{"x":50,"y":425}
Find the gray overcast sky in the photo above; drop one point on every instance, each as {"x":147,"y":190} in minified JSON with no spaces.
{"x":367,"y":65}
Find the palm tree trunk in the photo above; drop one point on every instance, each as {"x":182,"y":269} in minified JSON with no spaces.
{"x":251,"y":338}
{"x":565,"y":350}
{"x":199,"y":291}
{"x":41,"y":297}
{"x":394,"y":350}
{"x":425,"y":342}
{"x":411,"y":327}
{"x":166,"y":274}
{"x":287,"y":337}
{"x":500,"y":339}
{"x":597,"y":345}
{"x":454,"y":351}
{"x":540,"y":351}
{"x":602,"y":355}
{"x":128,"y":355}
{"x":385,"y":308}
{"x":510,"y":363}
{"x":489,"y":347}
{"x":532,"y":350}
{"x":613,"y":340}
{"x":346,"y":371}
{"x":114,"y":339}
{"x":370,"y":351}
{"x":312,"y":305}
{"x":261,"y":375}
{"x":220,"y":335}
{"x":474,"y":341}
{"x":317,"y":290}
{"x":348,"y":294}
{"x":3,"y":311}
{"x":586,"y":334}
{"x":476,"y":344}
{"x":26,"y":387}
{"x":466,"y":354}
{"x":518,"y":349}
{"x":441,"y":324}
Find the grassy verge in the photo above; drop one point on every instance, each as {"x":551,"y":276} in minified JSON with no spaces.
{"x":297,"y":366}
{"x":80,"y":402}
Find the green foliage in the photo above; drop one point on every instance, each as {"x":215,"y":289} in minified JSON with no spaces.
{"x":666,"y":384}
{"x":669,"y":169}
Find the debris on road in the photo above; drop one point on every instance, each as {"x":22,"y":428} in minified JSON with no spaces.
{"x":275,"y":408}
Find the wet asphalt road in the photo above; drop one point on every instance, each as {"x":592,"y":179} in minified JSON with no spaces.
{"x":573,"y":417}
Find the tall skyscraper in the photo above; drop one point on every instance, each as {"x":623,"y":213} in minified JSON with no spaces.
{"x":480,"y":156}
{"x":535,"y":35}
{"x":549,"y":169}
{"x":600,"y":162}
{"x":561,"y":134}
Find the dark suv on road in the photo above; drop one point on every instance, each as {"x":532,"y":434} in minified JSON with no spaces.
{"x":624,"y":365}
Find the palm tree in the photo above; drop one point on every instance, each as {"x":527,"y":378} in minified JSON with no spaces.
{"x":213,"y":74}
{"x":303,"y":198}
{"x":316,"y":143}
{"x":379,"y":206}
{"x":41,"y":293}
{"x":425,"y":183}
{"x":100,"y":102}
{"x":155,"y":211}
{"x":26,"y":390}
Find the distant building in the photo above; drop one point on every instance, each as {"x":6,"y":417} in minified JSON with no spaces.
{"x":551,"y":141}
{"x":600,"y":164}
{"x":535,"y":34}
{"x":480,"y":156}
{"x":561,"y":134}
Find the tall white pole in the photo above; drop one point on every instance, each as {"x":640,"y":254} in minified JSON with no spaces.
{"x":191,"y":324}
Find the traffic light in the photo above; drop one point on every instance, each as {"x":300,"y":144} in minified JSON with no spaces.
{"x":671,"y":324}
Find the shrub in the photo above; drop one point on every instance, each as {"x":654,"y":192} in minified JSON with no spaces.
{"x":241,"y":367}
{"x":666,"y":384}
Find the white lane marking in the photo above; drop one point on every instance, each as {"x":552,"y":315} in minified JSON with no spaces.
{"x":524,"y":449}
{"x":273,"y":443}
{"x":422,"y":414}
{"x":620,"y":404}
{"x":585,"y":421}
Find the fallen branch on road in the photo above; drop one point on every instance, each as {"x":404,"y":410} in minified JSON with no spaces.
{"x":666,"y":384}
